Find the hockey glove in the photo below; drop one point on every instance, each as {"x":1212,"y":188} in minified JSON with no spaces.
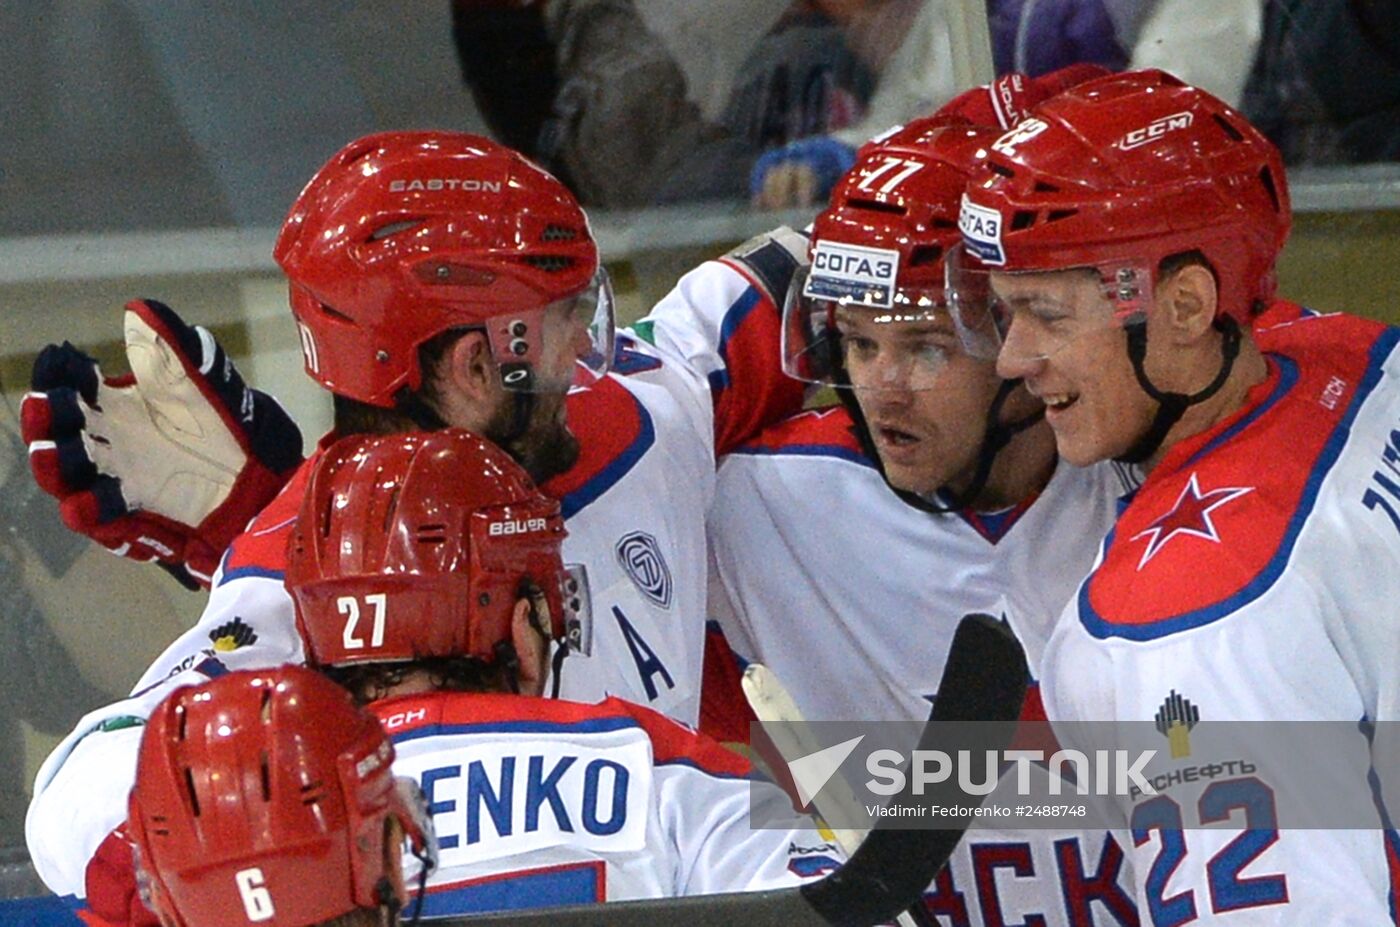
{"x":110,"y":882}
{"x":800,"y":173}
{"x":167,"y":463}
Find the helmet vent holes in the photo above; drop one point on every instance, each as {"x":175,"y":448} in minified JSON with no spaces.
{"x":338,"y":316}
{"x":265,"y":770}
{"x":394,"y":228}
{"x":432,"y":534}
{"x":925,"y":254}
{"x":893,"y":209}
{"x":190,"y":791}
{"x":1043,"y":187}
{"x":1023,"y":219}
{"x":1056,"y":215}
{"x":1266,"y":177}
{"x":554,"y":233}
{"x":1001,"y":169}
{"x":392,"y":507}
{"x":1229,"y":129}
{"x":550,"y":263}
{"x":312,"y":793}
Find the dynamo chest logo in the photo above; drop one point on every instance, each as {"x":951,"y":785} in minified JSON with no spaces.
{"x":852,"y":273}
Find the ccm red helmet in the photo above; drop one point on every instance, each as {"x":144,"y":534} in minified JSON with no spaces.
{"x":879,"y":247}
{"x":265,"y":797}
{"x":418,"y":545}
{"x":1123,"y":171}
{"x":404,"y":235}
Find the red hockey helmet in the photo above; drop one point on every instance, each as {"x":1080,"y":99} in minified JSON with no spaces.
{"x":1119,"y":173}
{"x":878,"y":249}
{"x":417,"y":545}
{"x":404,"y":235}
{"x":266,"y":795}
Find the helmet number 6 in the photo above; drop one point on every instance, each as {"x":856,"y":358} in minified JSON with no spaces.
{"x":257,"y":900}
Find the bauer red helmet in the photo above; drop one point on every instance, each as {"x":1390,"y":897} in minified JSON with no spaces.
{"x":879,"y":246}
{"x":418,"y":545}
{"x":266,"y":796}
{"x":404,"y":235}
{"x":1123,"y":171}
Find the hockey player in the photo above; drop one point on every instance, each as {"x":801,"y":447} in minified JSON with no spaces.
{"x":266,"y":797}
{"x":1124,"y":240}
{"x":438,"y":278}
{"x":428,"y":580}
{"x":929,"y":493}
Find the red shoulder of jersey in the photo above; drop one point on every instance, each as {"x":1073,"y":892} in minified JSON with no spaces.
{"x":818,"y":433}
{"x":1215,"y":522}
{"x":411,"y":716}
{"x":261,"y":550}
{"x":614,"y":431}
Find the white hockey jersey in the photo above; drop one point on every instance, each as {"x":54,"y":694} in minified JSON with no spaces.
{"x":1254,"y":577}
{"x":540,"y":803}
{"x":851,"y":595}
{"x":698,"y":374}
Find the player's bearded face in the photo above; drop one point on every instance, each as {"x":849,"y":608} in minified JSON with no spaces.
{"x":927,"y":426}
{"x":546,"y":448}
{"x":1062,"y":340}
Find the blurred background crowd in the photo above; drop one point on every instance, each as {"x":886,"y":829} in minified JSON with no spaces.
{"x":161,"y":117}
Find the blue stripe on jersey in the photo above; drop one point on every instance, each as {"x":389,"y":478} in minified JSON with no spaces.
{"x":259,"y":572}
{"x":588,"y":726}
{"x":1102,"y":629}
{"x":712,"y":773}
{"x":574,"y":502}
{"x":1288,"y":376}
{"x":44,"y":911}
{"x":514,"y":891}
{"x":733,"y":317}
{"x":807,"y":450}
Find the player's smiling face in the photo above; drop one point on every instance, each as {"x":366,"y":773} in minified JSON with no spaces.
{"x":924,"y":400}
{"x":1062,"y":339}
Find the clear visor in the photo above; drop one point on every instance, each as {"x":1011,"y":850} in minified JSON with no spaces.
{"x":1032,"y":315}
{"x":888,"y":338}
{"x":567,"y":342}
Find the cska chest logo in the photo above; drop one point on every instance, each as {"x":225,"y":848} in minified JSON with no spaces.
{"x":1191,"y":516}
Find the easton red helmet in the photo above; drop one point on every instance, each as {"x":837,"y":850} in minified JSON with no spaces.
{"x":404,"y":235}
{"x":418,"y":545}
{"x":1127,"y":170}
{"x":880,"y":244}
{"x":264,"y":797}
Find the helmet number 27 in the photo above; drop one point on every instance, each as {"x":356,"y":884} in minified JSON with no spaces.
{"x":349,"y":606}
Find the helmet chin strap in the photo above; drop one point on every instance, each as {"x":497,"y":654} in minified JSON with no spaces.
{"x":1171,"y":406}
{"x":996,"y":435}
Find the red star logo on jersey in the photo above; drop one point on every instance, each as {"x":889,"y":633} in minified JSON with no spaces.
{"x":1190,"y":516}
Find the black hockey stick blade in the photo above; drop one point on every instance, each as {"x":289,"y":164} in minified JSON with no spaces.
{"x":984,"y":680}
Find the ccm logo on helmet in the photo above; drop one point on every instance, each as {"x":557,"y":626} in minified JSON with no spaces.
{"x":444,"y":183}
{"x":1154,"y":130}
{"x":522,"y":526}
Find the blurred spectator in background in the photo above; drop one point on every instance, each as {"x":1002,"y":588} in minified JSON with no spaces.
{"x":1326,"y":85}
{"x":1208,"y":45}
{"x":587,"y":88}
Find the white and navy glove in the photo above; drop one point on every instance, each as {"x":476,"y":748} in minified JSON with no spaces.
{"x":166,"y":463}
